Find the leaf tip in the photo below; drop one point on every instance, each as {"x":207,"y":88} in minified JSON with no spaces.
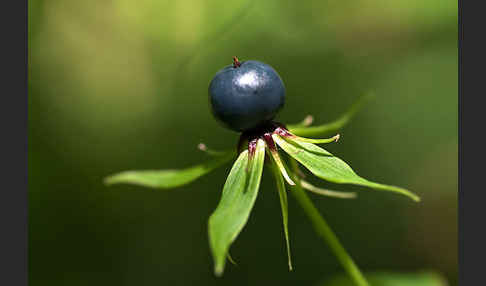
{"x":308,"y":120}
{"x":291,"y":268}
{"x":411,"y":195}
{"x":108,"y":181}
{"x":202,"y":147}
{"x":218,"y":270}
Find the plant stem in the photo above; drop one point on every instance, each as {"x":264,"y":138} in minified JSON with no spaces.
{"x":324,"y":231}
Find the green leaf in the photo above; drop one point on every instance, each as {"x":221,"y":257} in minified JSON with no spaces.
{"x":328,"y":167}
{"x":239,"y":195}
{"x":282,"y":193}
{"x":166,"y":179}
{"x":333,"y":126}
{"x":392,"y":279}
{"x":279,"y":164}
{"x":324,"y":192}
{"x":211,"y":152}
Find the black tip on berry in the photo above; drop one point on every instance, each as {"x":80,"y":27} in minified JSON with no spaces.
{"x":236,"y":62}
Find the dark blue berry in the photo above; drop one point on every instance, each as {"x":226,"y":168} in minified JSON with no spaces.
{"x":246,"y":95}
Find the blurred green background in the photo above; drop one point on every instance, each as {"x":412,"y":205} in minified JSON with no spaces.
{"x":117,"y":85}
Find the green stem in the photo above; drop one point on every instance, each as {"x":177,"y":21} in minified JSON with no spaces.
{"x":323,"y":229}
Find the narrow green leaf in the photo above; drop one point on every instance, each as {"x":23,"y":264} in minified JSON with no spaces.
{"x":282,"y":193}
{"x":328,"y":167}
{"x":324,"y":192}
{"x":278,"y":162}
{"x":392,"y":279}
{"x":316,"y":141}
{"x":166,"y":179}
{"x":239,"y":195}
{"x":211,"y":152}
{"x":299,"y":129}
